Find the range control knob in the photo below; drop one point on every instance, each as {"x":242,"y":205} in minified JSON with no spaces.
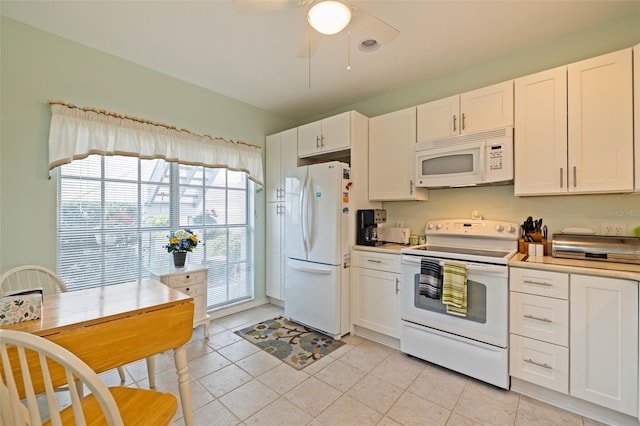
{"x":438,"y":225}
{"x":499,"y":227}
{"x":430,"y":226}
{"x":511,"y":229}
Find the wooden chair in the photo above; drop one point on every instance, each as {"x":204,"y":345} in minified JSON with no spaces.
{"x":34,"y":276}
{"x":32,"y":365}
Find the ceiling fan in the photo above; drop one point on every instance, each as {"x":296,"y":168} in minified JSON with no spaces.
{"x":327,"y":17}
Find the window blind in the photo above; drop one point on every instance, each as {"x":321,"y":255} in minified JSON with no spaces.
{"x":115,"y":212}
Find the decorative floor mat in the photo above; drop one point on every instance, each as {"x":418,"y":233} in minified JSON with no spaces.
{"x":290,"y":342}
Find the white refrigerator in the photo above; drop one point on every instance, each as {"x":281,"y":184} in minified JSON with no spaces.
{"x":317,"y":220}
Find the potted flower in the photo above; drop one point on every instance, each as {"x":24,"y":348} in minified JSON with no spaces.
{"x":181,"y":242}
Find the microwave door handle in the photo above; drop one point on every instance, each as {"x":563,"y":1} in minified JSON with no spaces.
{"x":483,"y":169}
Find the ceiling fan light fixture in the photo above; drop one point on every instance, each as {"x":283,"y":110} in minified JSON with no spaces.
{"x":329,"y":17}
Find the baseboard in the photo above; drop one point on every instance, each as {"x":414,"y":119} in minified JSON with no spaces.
{"x":383,"y":339}
{"x":238,"y":307}
{"x":570,"y":403}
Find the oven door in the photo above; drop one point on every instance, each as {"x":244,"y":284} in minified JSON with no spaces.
{"x":487,"y":303}
{"x":451,"y":166}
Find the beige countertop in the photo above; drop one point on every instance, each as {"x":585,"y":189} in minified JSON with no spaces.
{"x":585,"y":267}
{"x":547,"y":263}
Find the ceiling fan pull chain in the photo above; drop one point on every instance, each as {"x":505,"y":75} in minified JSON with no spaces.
{"x":349,"y":47}
{"x":309,"y":51}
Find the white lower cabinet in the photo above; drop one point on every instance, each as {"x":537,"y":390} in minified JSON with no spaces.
{"x":375,"y":292}
{"x":604,"y":342}
{"x":539,"y":327}
{"x":577,"y":335}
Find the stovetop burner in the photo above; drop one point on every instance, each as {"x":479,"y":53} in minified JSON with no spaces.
{"x":475,"y":240}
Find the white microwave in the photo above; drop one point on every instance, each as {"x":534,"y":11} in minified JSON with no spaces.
{"x":467,"y":160}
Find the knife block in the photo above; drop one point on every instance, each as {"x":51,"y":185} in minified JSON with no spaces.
{"x":523,"y":246}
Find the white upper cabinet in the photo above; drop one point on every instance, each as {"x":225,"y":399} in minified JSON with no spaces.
{"x":327,"y":135}
{"x":482,"y":109}
{"x":541,"y":133}
{"x":392,"y":140}
{"x":280,"y":156}
{"x":636,"y":102}
{"x":600,"y":122}
{"x":573,"y":128}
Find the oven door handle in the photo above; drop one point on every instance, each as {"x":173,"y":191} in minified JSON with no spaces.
{"x":471,"y":267}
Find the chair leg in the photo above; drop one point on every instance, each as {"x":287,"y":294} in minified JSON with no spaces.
{"x":80,"y":388}
{"x":151,"y":370}
{"x":123,"y":377}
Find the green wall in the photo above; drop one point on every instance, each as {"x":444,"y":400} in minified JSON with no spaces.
{"x":499,"y":202}
{"x":37,"y":66}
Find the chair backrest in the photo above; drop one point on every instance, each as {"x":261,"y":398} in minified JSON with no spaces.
{"x":31,"y":276}
{"x":31,"y":365}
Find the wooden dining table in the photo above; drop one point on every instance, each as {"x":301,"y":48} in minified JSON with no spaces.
{"x":110,"y":326}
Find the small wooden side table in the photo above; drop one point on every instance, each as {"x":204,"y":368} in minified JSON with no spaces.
{"x":192,"y":281}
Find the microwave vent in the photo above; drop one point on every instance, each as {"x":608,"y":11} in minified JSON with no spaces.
{"x":464,"y":139}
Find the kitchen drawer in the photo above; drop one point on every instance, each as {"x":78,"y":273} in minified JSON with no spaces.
{"x":197,"y":289}
{"x":539,"y":362}
{"x":542,"y":283}
{"x":378,"y":261}
{"x":190,"y":278}
{"x":541,"y":318}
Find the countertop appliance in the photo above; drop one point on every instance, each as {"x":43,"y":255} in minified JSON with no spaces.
{"x":475,"y":344}
{"x":467,"y":160}
{"x":367,"y":222}
{"x":317,"y":218}
{"x":604,"y":248}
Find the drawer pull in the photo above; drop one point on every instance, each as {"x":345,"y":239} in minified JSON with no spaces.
{"x":538,"y":318}
{"x":538,"y":283}
{"x":539,"y":364}
{"x":374,"y":261}
{"x":187,"y":276}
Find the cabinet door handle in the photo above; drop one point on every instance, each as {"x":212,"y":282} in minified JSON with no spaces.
{"x":317,"y":141}
{"x":374,"y":261}
{"x":539,"y":364}
{"x":464,"y":121}
{"x":454,"y":122}
{"x":321,"y":140}
{"x":561,"y":177}
{"x":538,"y":318}
{"x":574,"y":176}
{"x":397,"y":286}
{"x":411,"y":187}
{"x":538,"y":283}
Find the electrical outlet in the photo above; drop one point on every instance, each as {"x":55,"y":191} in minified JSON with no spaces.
{"x":613,"y":229}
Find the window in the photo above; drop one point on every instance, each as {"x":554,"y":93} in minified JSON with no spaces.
{"x":114,"y":214}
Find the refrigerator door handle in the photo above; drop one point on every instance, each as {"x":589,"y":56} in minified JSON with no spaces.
{"x":303,"y":214}
{"x":312,"y":270}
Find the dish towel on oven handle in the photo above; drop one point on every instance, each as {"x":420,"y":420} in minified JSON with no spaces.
{"x":430,"y":278}
{"x":454,"y":288}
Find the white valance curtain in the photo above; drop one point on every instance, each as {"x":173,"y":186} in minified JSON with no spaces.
{"x":76,"y":133}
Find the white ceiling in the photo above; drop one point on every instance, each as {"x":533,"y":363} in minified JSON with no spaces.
{"x":252,"y":57}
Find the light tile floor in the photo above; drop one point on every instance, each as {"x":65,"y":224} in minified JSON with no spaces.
{"x":362,"y":383}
